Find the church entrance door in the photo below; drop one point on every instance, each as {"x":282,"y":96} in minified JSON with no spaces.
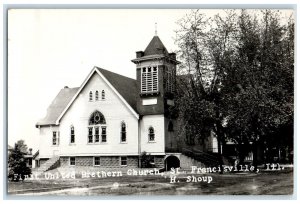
{"x":171,"y":162}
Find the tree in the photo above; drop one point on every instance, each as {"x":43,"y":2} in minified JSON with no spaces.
{"x":263,"y":75}
{"x":239,"y":76}
{"x":206,"y":56}
{"x":16,"y":162}
{"x":23,"y":147}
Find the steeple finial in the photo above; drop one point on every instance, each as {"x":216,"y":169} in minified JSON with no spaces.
{"x":155,"y":29}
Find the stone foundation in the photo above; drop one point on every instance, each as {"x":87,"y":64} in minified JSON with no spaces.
{"x":159,"y":161}
{"x":108,"y":161}
{"x":105,"y":161}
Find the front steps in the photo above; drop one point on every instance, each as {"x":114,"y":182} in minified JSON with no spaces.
{"x":187,"y":162}
{"x":206,"y":159}
{"x":48,"y":165}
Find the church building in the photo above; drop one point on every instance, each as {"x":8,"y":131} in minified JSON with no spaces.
{"x":110,"y":120}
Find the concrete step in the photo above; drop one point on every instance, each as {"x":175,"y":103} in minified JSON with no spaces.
{"x":48,"y":164}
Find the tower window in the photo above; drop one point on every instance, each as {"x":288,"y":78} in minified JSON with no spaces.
{"x":96,"y":95}
{"x":149,"y":80}
{"x":123,"y":132}
{"x":72,"y":135}
{"x":151,"y":134}
{"x":103,"y":95}
{"x":91,"y":96}
{"x":170,"y":79}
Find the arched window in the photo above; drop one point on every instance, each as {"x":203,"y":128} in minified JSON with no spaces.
{"x":96,"y":95}
{"x":96,"y":118}
{"x":151,"y":134}
{"x":97,"y":123}
{"x":123,"y":132}
{"x":91,"y":96}
{"x":72,"y":133}
{"x":103,"y":95}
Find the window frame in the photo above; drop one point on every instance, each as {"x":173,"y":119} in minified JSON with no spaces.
{"x":96,"y":95}
{"x":70,"y":160}
{"x":54,"y":138}
{"x":90,"y":96}
{"x":96,"y":134}
{"x":102,"y":95}
{"x":56,"y":134}
{"x":149,"y":79}
{"x":102,"y":134}
{"x":150,"y":134}
{"x":97,"y":123}
{"x":123,"y":124}
{"x":95,"y":161}
{"x":72,"y":135}
{"x":126,"y":160}
{"x":92,"y":136}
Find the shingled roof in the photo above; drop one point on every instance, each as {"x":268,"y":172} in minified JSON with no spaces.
{"x":155,"y":47}
{"x":126,"y":86}
{"x":57,"y":106}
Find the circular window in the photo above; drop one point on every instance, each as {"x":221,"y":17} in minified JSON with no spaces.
{"x":97,"y":118}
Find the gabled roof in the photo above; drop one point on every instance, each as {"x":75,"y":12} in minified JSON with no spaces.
{"x":155,"y":47}
{"x":126,"y":87}
{"x":57,"y":106}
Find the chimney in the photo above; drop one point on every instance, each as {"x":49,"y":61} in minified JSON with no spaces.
{"x":172,"y":55}
{"x":30,"y":151}
{"x":139,"y":54}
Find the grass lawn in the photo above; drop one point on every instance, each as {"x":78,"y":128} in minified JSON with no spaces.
{"x":263,"y":183}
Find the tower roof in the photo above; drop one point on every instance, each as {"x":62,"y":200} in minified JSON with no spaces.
{"x":155,"y":47}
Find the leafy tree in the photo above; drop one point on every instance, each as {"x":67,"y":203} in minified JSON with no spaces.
{"x":23,"y":147}
{"x":239,"y":77}
{"x":16,"y":162}
{"x":263,"y":74}
{"x":206,"y":56}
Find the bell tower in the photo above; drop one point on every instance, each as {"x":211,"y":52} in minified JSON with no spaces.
{"x":156,"y":78}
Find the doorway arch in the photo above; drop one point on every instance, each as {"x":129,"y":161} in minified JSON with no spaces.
{"x":171,"y":162}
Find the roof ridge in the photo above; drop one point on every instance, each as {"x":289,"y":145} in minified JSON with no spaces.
{"x":101,"y":69}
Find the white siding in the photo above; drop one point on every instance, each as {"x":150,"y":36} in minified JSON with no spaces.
{"x":157,"y":122}
{"x":46,"y":149}
{"x":114,"y":111}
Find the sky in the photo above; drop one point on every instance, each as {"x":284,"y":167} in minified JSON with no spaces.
{"x":50,"y":49}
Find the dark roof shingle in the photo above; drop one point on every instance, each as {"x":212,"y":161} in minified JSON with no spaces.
{"x":155,"y":47}
{"x":126,"y":86}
